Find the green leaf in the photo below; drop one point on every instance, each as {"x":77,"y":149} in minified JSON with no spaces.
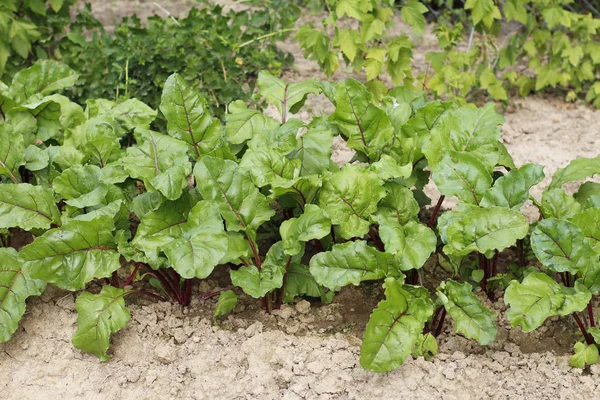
{"x":99,"y":316}
{"x":349,"y":197}
{"x":398,"y":205}
{"x":485,"y":229}
{"x":462,"y":175}
{"x":300,"y":282}
{"x":203,"y":245}
{"x":412,"y":12}
{"x":80,"y":186}
{"x":188,"y":116}
{"x":589,"y":223}
{"x":367,"y":127}
{"x":578,"y":169}
{"x":286,"y":97}
{"x":588,"y":195}
{"x":557,"y":204}
{"x":388,"y":168}
{"x":483,"y":10}
{"x":585,"y":354}
{"x":242,"y":206}
{"x":540,"y":297}
{"x":132,"y":114}
{"x":242,"y":123}
{"x":56,"y":4}
{"x":512,"y":189}
{"x":351,"y":8}
{"x":73,"y":255}
{"x":426,"y":347}
{"x":313,"y":223}
{"x":258,"y":282}
{"x":351,"y":263}
{"x":42,"y":78}
{"x":268,"y":167}
{"x":15,"y":288}
{"x":394,"y":328}
{"x":36,"y":159}
{"x":314,"y":150}
{"x":412,"y":244}
{"x":27,"y":206}
{"x":226,"y":303}
{"x":560,"y":245}
{"x":11,"y":152}
{"x":160,"y":162}
{"x":471,"y":318}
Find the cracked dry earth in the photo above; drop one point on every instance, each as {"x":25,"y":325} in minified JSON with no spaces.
{"x":307,"y":351}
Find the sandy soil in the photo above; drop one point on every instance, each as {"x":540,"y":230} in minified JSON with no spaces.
{"x":305,"y":351}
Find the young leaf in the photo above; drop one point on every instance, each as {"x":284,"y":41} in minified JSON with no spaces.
{"x":367,"y":127}
{"x":257,"y":283}
{"x":351,"y":263}
{"x":412,"y":12}
{"x":27,"y":207}
{"x":226,"y":303}
{"x":268,"y":167}
{"x":462,"y":175}
{"x":314,"y":150}
{"x":560,"y":245}
{"x":349,"y":197}
{"x":130,"y":115}
{"x":80,"y":186}
{"x":589,"y":223}
{"x":15,"y":288}
{"x":286,"y":97}
{"x":471,"y":318}
{"x":398,"y":205}
{"x":539,"y":297}
{"x":188,"y":116}
{"x":42,"y":78}
{"x":99,"y":316}
{"x":300,"y":282}
{"x":242,"y":206}
{"x":585,"y":354}
{"x":557,"y":204}
{"x":394,"y":328}
{"x":313,"y":223}
{"x":242,"y":123}
{"x":578,"y":169}
{"x":203,"y":245}
{"x":512,"y":189}
{"x":412,"y":244}
{"x":160,"y":162}
{"x":73,"y":255}
{"x":485,"y":229}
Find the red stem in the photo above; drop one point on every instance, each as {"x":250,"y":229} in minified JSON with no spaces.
{"x":149,"y":294}
{"x":438,"y":328}
{"x":333,"y":235}
{"x":132,"y":275}
{"x":436,"y":211}
{"x":588,"y":338}
{"x":166,"y":284}
{"x":521,"y":253}
{"x":187,"y":292}
{"x":215,"y":293}
{"x":591,"y":314}
{"x":282,"y":289}
{"x":374,"y":235}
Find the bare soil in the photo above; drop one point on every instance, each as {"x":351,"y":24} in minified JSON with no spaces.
{"x":305,"y":351}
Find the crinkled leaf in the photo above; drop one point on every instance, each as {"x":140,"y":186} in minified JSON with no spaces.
{"x":351,"y":263}
{"x":394,"y":328}
{"x":471,"y":318}
{"x":585,"y":354}
{"x":11,"y":152}
{"x":367,"y":127}
{"x":539,"y":297}
{"x":426,"y":347}
{"x":42,"y":78}
{"x":242,"y":206}
{"x":388,"y":168}
{"x":188,"y":116}
{"x":589,"y":223}
{"x":286,"y":97}
{"x":412,"y":12}
{"x":132,"y":114}
{"x":313,"y":223}
{"x":27,"y":207}
{"x":99,"y":316}
{"x":160,"y":162}
{"x":512,"y":189}
{"x":282,"y":139}
{"x":350,"y":196}
{"x":226,"y":303}
{"x":412,"y":243}
{"x":557,"y":204}
{"x":588,"y":195}
{"x":578,"y":169}
{"x":15,"y":288}
{"x":462,"y":175}
{"x":300,"y":282}
{"x":314,"y":150}
{"x":398,"y":205}
{"x":35,"y":158}
{"x":243,"y":123}
{"x":258,"y":283}
{"x":80,"y":186}
{"x":268,"y":167}
{"x":485,"y":229}
{"x":73,"y":255}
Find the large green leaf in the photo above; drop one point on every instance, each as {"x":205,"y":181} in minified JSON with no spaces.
{"x":589,"y":223}
{"x":462,"y":175}
{"x":578,"y":169}
{"x":242,"y":206}
{"x":203,"y":245}
{"x":11,"y":152}
{"x":130,"y":115}
{"x":42,"y":78}
{"x":394,"y":328}
{"x":512,"y":189}
{"x":485,"y":229}
{"x":398,"y":205}
{"x":188,"y":116}
{"x":242,"y":122}
{"x":557,"y":204}
{"x":367,"y":127}
{"x":99,"y":316}
{"x":286,"y":97}
{"x":73,"y":255}
{"x":268,"y":167}
{"x":314,"y":150}
{"x":351,"y":263}
{"x":412,"y":12}
{"x":561,"y":246}
{"x":15,"y":288}
{"x":588,"y":195}
{"x":27,"y":207}
{"x":350,"y":196}
{"x":80,"y":186}
{"x":313,"y":223}
{"x":539,"y":297}
{"x":412,"y":243}
{"x":160,"y":162}
{"x":471,"y":318}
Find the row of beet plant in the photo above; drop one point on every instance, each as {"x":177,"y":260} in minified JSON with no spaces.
{"x":110,"y":203}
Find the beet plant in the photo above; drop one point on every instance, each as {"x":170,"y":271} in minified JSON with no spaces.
{"x":114,"y":208}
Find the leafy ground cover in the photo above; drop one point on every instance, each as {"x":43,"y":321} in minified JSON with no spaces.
{"x":101,"y":192}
